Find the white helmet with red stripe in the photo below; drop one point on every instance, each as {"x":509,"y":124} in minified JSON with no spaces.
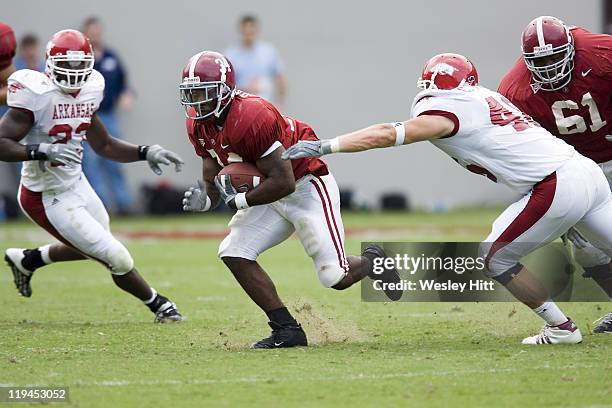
{"x":70,"y":60}
{"x":548,"y":51}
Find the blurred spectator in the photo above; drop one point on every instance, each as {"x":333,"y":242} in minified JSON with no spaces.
{"x":259,"y":68}
{"x":106,"y":176}
{"x":29,"y":55}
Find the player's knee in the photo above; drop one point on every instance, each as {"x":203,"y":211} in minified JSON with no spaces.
{"x":120,"y":260}
{"x":499,"y":265}
{"x":230,"y":249}
{"x":505,"y":276}
{"x":331,"y":275}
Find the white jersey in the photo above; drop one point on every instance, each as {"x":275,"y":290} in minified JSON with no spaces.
{"x":59,"y":117}
{"x":494,"y":138}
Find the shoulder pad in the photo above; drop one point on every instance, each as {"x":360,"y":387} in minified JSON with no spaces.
{"x":95,"y":82}
{"x":35,"y":81}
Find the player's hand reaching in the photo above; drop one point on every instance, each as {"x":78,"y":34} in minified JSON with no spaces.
{"x":157,"y":155}
{"x":226,"y":189}
{"x":64,"y":154}
{"x":307,"y":148}
{"x":196,"y":199}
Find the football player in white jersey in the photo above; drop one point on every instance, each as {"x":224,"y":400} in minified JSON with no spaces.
{"x":51,"y":114}
{"x":488,"y":135}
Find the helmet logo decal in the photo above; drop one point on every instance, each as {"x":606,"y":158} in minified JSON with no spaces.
{"x":444,"y":68}
{"x":224,"y":67}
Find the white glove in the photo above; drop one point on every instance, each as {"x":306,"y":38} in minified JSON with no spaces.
{"x":307,"y":148}
{"x":63,"y":154}
{"x":196,"y":199}
{"x":157,"y":155}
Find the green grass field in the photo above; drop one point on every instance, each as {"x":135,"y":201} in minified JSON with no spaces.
{"x":78,"y":330}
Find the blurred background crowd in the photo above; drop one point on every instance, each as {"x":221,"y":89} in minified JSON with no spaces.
{"x":336,"y":70}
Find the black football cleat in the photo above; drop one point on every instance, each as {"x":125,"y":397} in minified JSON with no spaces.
{"x":167,"y":311}
{"x":605,"y":324}
{"x":282,"y":337}
{"x":389,"y":275}
{"x":21,"y":275}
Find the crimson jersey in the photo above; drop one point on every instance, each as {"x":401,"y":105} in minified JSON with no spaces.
{"x":252,"y":129}
{"x":7,"y":45}
{"x":581,"y":112}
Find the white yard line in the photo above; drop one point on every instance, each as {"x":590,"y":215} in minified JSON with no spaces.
{"x":358,"y":377}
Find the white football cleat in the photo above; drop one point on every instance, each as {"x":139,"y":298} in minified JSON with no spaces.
{"x":21,"y":276}
{"x":566,"y":333}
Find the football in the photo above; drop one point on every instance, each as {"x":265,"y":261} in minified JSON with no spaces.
{"x":244,"y":176}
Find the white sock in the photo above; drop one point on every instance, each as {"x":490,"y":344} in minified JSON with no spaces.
{"x":551,"y":313}
{"x":44,"y":254}
{"x":152,"y":298}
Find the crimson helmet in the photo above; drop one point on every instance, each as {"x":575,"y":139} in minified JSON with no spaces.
{"x":448,"y":71}
{"x":208,"y":85}
{"x":548,"y":50}
{"x":70,"y":59}
{"x":7,"y":45}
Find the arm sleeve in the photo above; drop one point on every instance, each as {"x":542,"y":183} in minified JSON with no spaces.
{"x":8,"y":44}
{"x":602,"y":52}
{"x":266,"y":131}
{"x":447,"y":107}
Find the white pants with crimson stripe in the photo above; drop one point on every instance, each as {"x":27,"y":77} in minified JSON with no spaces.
{"x":577,"y":194}
{"x":312,"y":211}
{"x":77,"y":218}
{"x":589,"y":256}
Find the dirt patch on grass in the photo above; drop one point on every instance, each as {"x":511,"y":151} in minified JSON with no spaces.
{"x":323,"y":330}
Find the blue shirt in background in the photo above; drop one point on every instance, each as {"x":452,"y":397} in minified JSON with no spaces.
{"x":260,"y":62}
{"x":114,"y":75}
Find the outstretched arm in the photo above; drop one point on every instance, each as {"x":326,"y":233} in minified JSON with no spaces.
{"x":109,"y":147}
{"x":118,"y":150}
{"x":421,"y":128}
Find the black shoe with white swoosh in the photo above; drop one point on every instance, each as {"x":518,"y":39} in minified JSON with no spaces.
{"x":283,"y":336}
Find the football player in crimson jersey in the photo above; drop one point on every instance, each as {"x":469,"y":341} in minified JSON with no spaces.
{"x":227,"y":126}
{"x":51,"y":114}
{"x":7,"y":52}
{"x":488,"y":135}
{"x":564,"y":81}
